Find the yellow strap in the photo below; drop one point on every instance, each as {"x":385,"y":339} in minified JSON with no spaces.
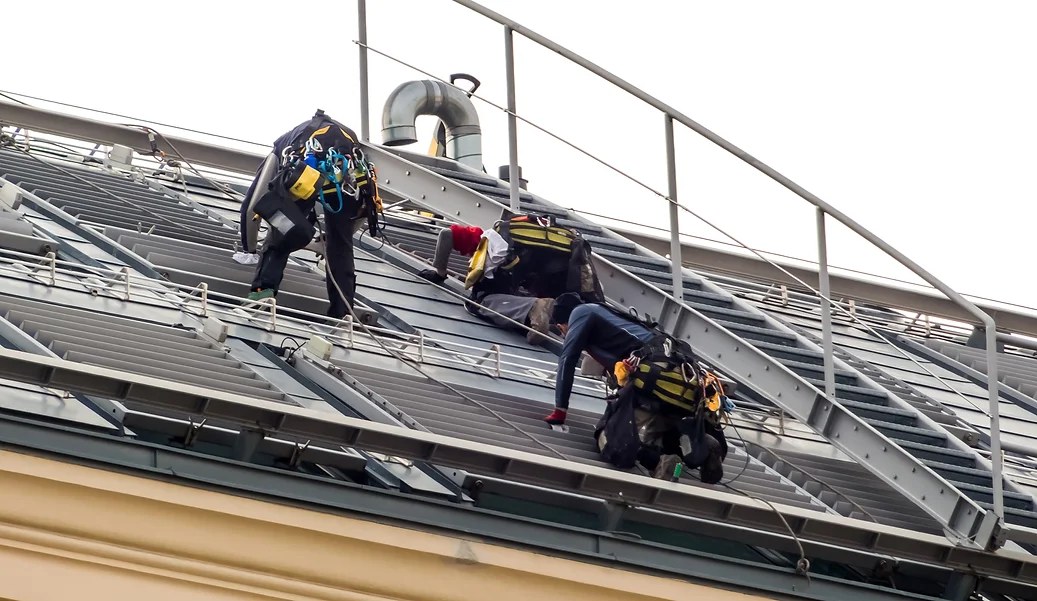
{"x":477,"y":264}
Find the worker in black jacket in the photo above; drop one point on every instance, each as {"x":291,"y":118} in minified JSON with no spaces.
{"x":314,"y":162}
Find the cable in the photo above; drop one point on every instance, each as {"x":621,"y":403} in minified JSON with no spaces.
{"x":803,"y":565}
{"x":293,"y":351}
{"x":230,"y":192}
{"x":411,"y":363}
{"x":83,"y":108}
{"x":113,"y":195}
{"x":23,"y":103}
{"x":745,"y":449}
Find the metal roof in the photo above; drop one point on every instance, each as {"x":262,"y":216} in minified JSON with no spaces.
{"x":140,"y":223}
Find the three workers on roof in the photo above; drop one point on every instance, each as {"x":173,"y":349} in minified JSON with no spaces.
{"x":526,"y":272}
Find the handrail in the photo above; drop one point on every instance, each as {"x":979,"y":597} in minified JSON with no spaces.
{"x":823,"y":208}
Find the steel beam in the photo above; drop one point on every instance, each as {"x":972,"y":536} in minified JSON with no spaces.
{"x":741,"y":517}
{"x":61,"y":124}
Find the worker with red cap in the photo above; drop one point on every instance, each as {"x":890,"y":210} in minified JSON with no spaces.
{"x":464,"y":239}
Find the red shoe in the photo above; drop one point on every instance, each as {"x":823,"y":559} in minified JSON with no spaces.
{"x":557,"y":418}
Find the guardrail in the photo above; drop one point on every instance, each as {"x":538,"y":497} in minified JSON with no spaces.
{"x":670,"y":114}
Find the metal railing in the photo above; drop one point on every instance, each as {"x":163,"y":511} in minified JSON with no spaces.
{"x":199,"y":301}
{"x":670,"y":114}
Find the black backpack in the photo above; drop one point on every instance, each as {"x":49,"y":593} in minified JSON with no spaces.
{"x":544,"y":260}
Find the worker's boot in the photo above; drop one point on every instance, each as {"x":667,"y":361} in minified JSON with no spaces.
{"x":258,"y":295}
{"x":432,"y":275}
{"x":540,"y":320}
{"x":667,"y":468}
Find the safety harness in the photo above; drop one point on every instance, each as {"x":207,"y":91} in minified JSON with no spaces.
{"x":329,"y":161}
{"x":665,"y":371}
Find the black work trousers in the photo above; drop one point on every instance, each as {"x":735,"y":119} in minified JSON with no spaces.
{"x":339,"y":260}
{"x":291,"y":228}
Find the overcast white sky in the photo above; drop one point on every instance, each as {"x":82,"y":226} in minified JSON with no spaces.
{"x":915,"y":118}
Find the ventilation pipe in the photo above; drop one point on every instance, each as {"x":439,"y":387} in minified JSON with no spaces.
{"x":452,"y":106}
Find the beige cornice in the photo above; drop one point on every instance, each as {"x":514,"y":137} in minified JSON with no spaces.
{"x":70,"y":530}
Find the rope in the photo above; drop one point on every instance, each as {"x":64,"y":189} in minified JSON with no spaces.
{"x":227,"y":190}
{"x":803,"y":564}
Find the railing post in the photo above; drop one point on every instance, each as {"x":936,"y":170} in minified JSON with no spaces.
{"x":204,"y":286}
{"x":509,"y":68}
{"x":365,"y":111}
{"x":53,"y":268}
{"x":675,"y":230}
{"x":126,"y":274}
{"x":994,"y":394}
{"x":826,"y":308}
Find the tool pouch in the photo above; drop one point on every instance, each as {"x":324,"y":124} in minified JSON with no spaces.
{"x":285,"y":217}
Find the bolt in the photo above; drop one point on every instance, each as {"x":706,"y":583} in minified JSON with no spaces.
{"x":894,"y":476}
{"x":422,"y":197}
{"x":867,"y":456}
{"x":923,"y":497}
{"x":442,"y":188}
{"x":408,"y":172}
{"x":387,"y":181}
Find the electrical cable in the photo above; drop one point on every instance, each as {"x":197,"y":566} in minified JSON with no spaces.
{"x":803,"y":565}
{"x":293,"y":351}
{"x":412,"y":364}
{"x":115,"y":196}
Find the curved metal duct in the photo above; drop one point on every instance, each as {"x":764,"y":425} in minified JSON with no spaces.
{"x":452,"y":106}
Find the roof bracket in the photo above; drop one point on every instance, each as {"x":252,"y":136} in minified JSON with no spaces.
{"x":193,"y":430}
{"x":297,"y":454}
